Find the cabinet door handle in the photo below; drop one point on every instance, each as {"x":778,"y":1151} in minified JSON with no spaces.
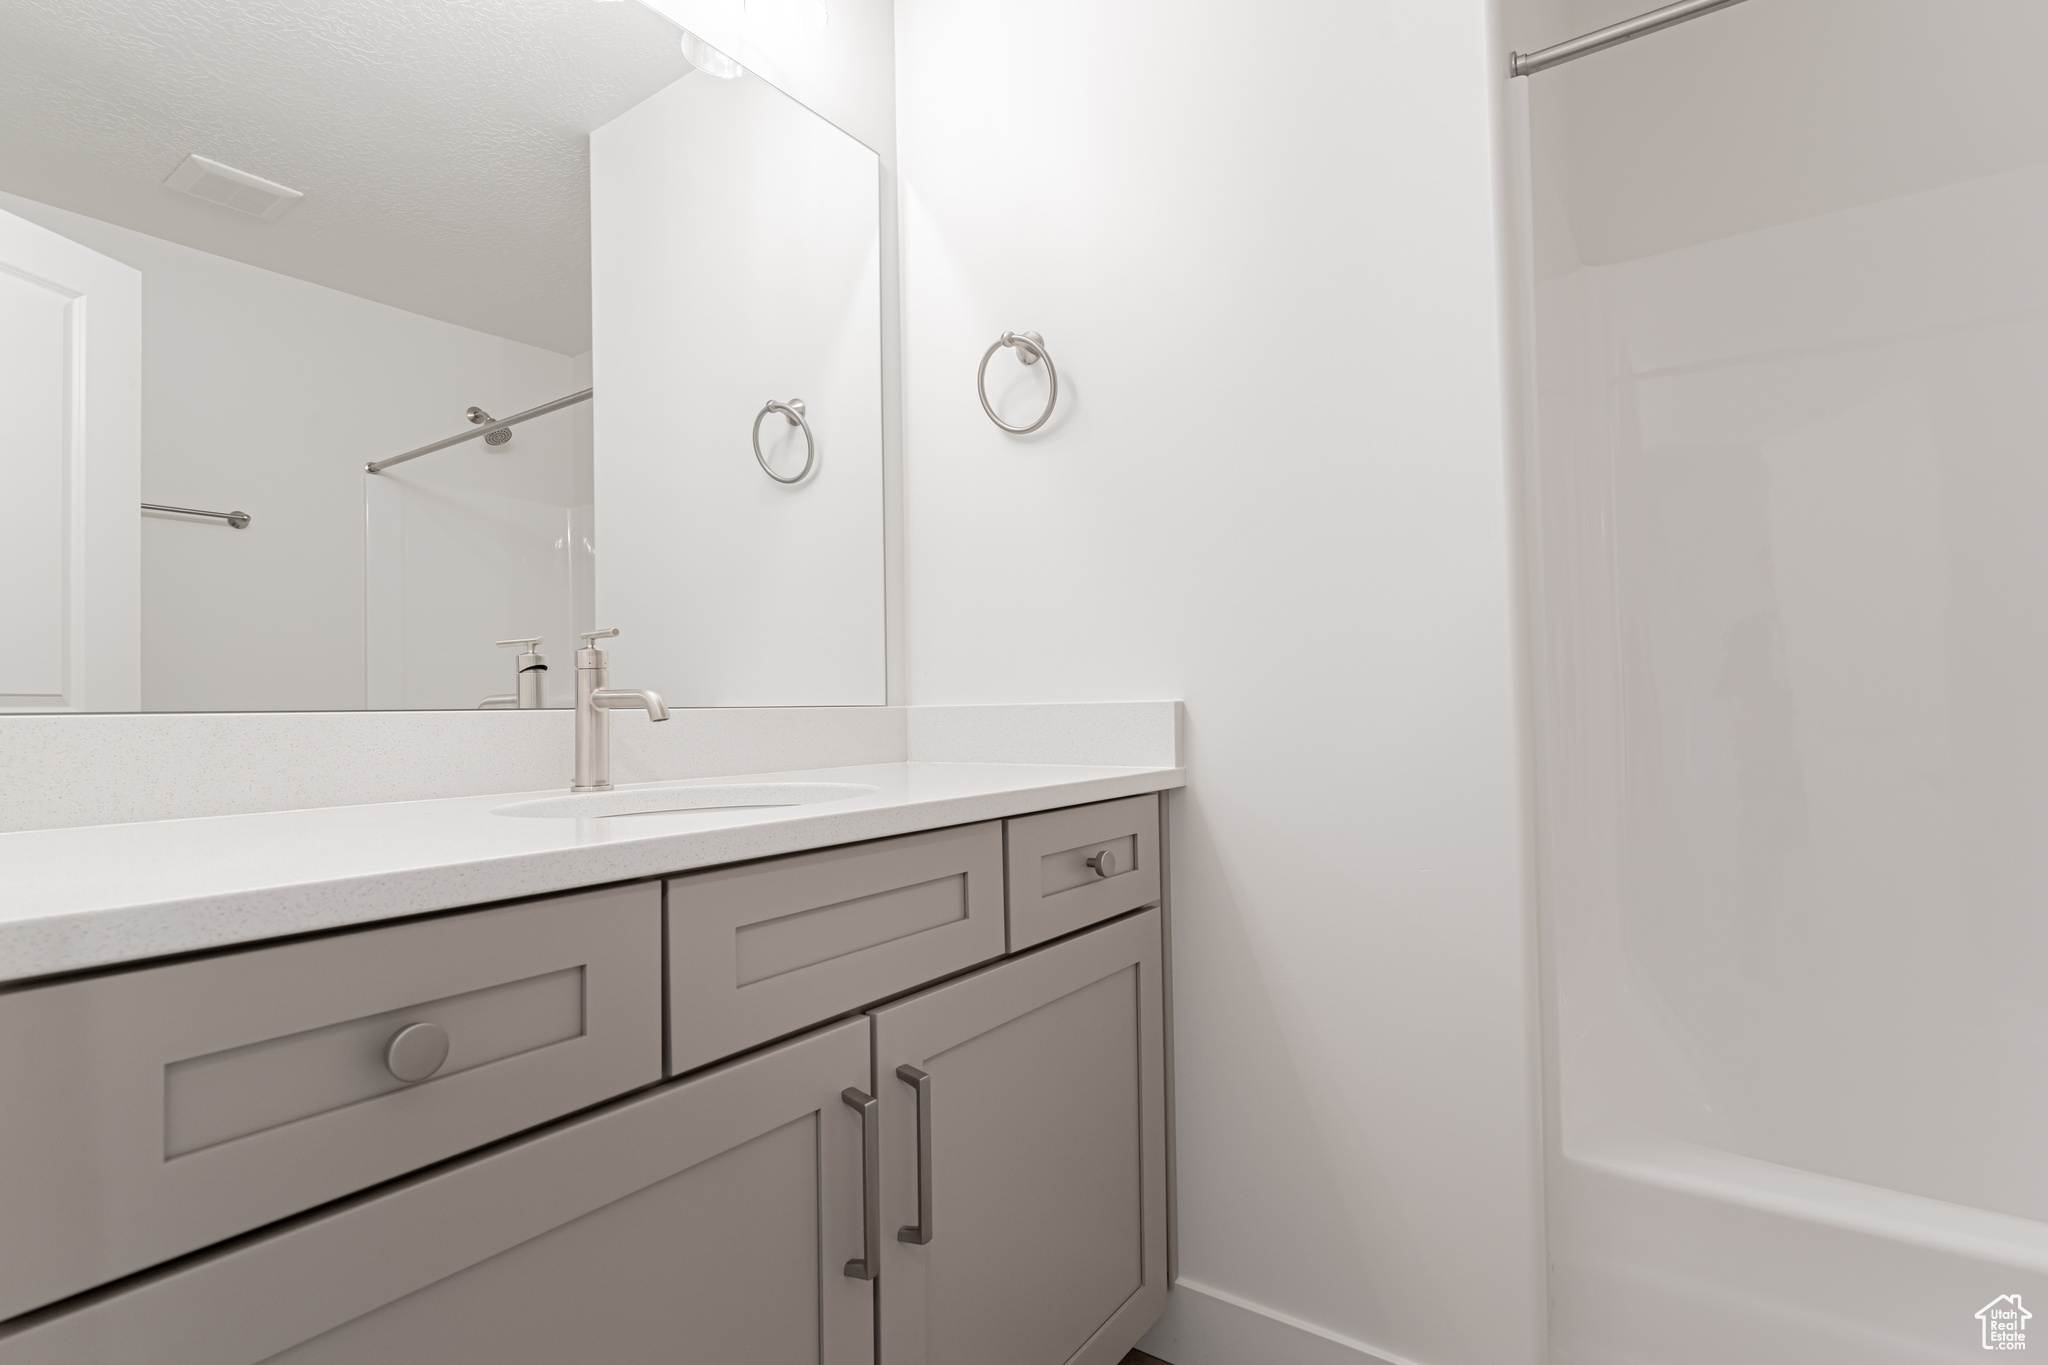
{"x":921,"y":1232}
{"x":869,"y":1264}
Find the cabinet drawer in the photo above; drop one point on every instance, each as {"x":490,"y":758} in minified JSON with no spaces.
{"x":705,"y":1222}
{"x":760,"y":951}
{"x":1053,"y":887}
{"x":153,"y":1112}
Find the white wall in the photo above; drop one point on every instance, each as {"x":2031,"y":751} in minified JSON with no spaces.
{"x":1262,"y":245}
{"x":846,"y":74}
{"x":267,"y":394}
{"x":735,"y":259}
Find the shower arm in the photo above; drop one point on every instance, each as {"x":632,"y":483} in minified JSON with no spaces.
{"x":495,"y":424}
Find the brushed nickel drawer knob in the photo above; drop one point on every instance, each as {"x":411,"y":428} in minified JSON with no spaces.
{"x":417,"y":1052}
{"x":1104,"y":863}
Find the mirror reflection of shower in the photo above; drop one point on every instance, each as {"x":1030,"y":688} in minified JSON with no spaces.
{"x":480,"y":542}
{"x":301,"y":292}
{"x":498,"y":436}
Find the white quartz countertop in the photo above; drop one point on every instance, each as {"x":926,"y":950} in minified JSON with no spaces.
{"x":105,"y":894}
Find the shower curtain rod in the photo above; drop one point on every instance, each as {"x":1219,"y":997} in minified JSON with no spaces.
{"x":1529,"y":63}
{"x":379,"y":466}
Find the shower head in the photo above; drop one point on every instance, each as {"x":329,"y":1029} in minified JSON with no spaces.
{"x":478,"y":417}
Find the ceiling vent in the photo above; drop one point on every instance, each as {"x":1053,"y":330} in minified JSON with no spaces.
{"x":204,"y":178}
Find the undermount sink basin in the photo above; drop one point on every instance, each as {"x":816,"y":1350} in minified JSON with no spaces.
{"x":656,"y":800}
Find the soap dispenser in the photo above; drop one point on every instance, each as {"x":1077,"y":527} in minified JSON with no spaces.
{"x":531,"y":675}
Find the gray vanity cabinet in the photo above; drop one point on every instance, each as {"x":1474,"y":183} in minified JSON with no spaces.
{"x":1024,"y":1148}
{"x":996,"y":1143}
{"x":708,"y":1222}
{"x":146,"y":1114}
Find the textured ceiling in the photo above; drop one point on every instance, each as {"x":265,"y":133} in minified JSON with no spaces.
{"x":441,"y":144}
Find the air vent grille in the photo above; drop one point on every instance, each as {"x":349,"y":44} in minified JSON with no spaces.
{"x":204,"y":178}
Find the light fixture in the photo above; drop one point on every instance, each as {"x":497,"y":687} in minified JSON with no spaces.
{"x":790,"y":18}
{"x":709,"y":59}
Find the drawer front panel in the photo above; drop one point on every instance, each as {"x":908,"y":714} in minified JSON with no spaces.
{"x":1054,"y":890}
{"x":761,"y":951}
{"x":259,"y":1086}
{"x":705,"y":1222}
{"x":154,"y":1112}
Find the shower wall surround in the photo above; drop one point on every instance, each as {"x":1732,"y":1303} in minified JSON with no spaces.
{"x":1824,"y":510}
{"x":1785,"y":530}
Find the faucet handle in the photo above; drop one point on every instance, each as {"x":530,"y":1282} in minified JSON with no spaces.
{"x":529,"y":644}
{"x":591,"y":637}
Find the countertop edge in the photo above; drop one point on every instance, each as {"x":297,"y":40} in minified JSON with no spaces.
{"x":67,"y":942}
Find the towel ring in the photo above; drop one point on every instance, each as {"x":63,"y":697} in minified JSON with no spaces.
{"x":1033,"y":347}
{"x":793,"y":413}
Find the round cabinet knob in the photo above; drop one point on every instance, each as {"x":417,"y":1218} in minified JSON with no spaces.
{"x":417,"y":1051}
{"x":1104,"y":863}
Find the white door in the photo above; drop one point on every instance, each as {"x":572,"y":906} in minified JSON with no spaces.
{"x":70,"y":475}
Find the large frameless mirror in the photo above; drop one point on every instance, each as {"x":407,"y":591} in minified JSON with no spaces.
{"x":342,"y":340}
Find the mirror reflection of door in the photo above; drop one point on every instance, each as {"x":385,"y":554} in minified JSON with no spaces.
{"x":359,"y":230}
{"x":70,"y":355}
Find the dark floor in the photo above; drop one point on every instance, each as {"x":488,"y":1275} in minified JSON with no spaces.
{"x":1140,"y":1358}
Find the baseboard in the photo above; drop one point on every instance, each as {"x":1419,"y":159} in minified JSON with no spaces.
{"x":1205,"y":1326}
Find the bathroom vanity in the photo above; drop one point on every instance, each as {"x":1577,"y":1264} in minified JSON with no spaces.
{"x":309,"y":1051}
{"x":900,"y":1098}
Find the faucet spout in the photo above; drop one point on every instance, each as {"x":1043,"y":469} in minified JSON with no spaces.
{"x":625,"y":699}
{"x":596,"y":699}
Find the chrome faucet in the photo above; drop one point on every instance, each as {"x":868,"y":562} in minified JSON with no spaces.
{"x":530,"y":672}
{"x":594,"y":704}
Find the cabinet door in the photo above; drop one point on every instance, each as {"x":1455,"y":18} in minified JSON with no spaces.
{"x":706,"y":1222}
{"x":1042,"y":1184}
